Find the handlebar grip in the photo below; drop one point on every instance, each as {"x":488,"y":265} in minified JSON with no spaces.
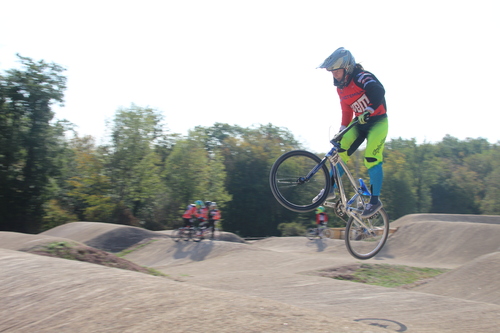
{"x":337,"y":137}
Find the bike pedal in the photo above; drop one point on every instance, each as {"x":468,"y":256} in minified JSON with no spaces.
{"x":329,"y":204}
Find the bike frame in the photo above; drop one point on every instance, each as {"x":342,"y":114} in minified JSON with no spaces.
{"x":335,"y":160}
{"x":360,"y":191}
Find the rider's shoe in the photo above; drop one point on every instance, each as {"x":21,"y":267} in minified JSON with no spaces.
{"x":330,"y":196}
{"x":371,"y":209}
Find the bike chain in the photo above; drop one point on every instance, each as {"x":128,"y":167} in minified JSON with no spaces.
{"x":339,"y":210}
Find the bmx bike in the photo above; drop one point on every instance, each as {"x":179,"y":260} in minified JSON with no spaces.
{"x":204,"y":231}
{"x":184,"y":233}
{"x":298,"y":176}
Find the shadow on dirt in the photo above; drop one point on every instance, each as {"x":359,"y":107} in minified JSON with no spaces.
{"x":196,"y":252}
{"x":320,"y":244}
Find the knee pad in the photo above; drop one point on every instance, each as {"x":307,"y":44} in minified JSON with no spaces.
{"x":371,"y":162}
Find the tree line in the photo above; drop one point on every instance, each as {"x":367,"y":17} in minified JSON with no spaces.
{"x":145,"y":176}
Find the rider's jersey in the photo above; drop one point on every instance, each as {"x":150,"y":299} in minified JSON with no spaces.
{"x":321,"y":217}
{"x":202,"y":213}
{"x":364,"y":90}
{"x":214,"y":214}
{"x":190,"y":212}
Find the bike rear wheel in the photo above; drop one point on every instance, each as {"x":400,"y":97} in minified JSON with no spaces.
{"x":312,"y":234}
{"x":214,"y":236}
{"x":197,"y":234}
{"x":287,"y":181}
{"x":327,"y":233}
{"x":364,"y":243}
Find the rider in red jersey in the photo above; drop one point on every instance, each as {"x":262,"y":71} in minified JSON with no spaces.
{"x":362,"y":96}
{"x":196,"y":211}
{"x":321,"y":216}
{"x":214,"y":215}
{"x":189,"y":215}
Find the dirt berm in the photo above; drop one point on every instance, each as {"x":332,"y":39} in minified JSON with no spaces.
{"x":264,"y":286}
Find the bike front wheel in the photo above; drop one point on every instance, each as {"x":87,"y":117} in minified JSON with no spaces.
{"x":365,"y":241}
{"x":288,"y":184}
{"x":177,"y":234}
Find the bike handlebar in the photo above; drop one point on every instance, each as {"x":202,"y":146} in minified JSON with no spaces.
{"x":337,"y":137}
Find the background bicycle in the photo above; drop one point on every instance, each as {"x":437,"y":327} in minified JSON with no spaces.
{"x":318,"y":232}
{"x":204,"y":231}
{"x":184,"y":233}
{"x":299,"y":176}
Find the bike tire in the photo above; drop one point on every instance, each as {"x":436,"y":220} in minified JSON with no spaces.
{"x":286,"y":185}
{"x":215,"y":236}
{"x":312,"y":234}
{"x":327,"y":233}
{"x":176,"y":235}
{"x":188,"y":234}
{"x":196,"y":235}
{"x":365,"y":244}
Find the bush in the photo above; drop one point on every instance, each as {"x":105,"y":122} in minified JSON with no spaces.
{"x":291,"y":229}
{"x":55,"y":215}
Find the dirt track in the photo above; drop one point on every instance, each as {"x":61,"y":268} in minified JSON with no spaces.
{"x":265,"y":286}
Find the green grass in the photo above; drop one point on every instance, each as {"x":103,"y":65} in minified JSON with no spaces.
{"x":155,"y":272}
{"x":59,"y":249}
{"x":72,"y":251}
{"x":134,"y":248}
{"x":391,"y":275}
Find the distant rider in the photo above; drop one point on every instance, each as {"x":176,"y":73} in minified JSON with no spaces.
{"x":189,"y":215}
{"x":213,"y":216}
{"x":321,"y":217}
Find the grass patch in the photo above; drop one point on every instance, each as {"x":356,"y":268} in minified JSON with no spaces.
{"x":135,"y":248}
{"x":384,"y":275}
{"x":155,"y":272}
{"x":72,"y":251}
{"x":59,"y":249}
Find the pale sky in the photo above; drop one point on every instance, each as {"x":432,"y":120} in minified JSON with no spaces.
{"x":254,"y":62}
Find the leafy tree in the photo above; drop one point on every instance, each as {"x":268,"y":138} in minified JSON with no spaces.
{"x":291,"y":229}
{"x":487,"y":167}
{"x":491,"y":202}
{"x":183,"y":170}
{"x":399,"y":191}
{"x":214,"y":184}
{"x":423,"y":166}
{"x":56,"y":215}
{"x":456,"y":192}
{"x":193,"y":173}
{"x":456,"y":151}
{"x":27,"y":141}
{"x":133,"y":165}
{"x":458,"y":189}
{"x":90,"y":187}
{"x":148,"y":191}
